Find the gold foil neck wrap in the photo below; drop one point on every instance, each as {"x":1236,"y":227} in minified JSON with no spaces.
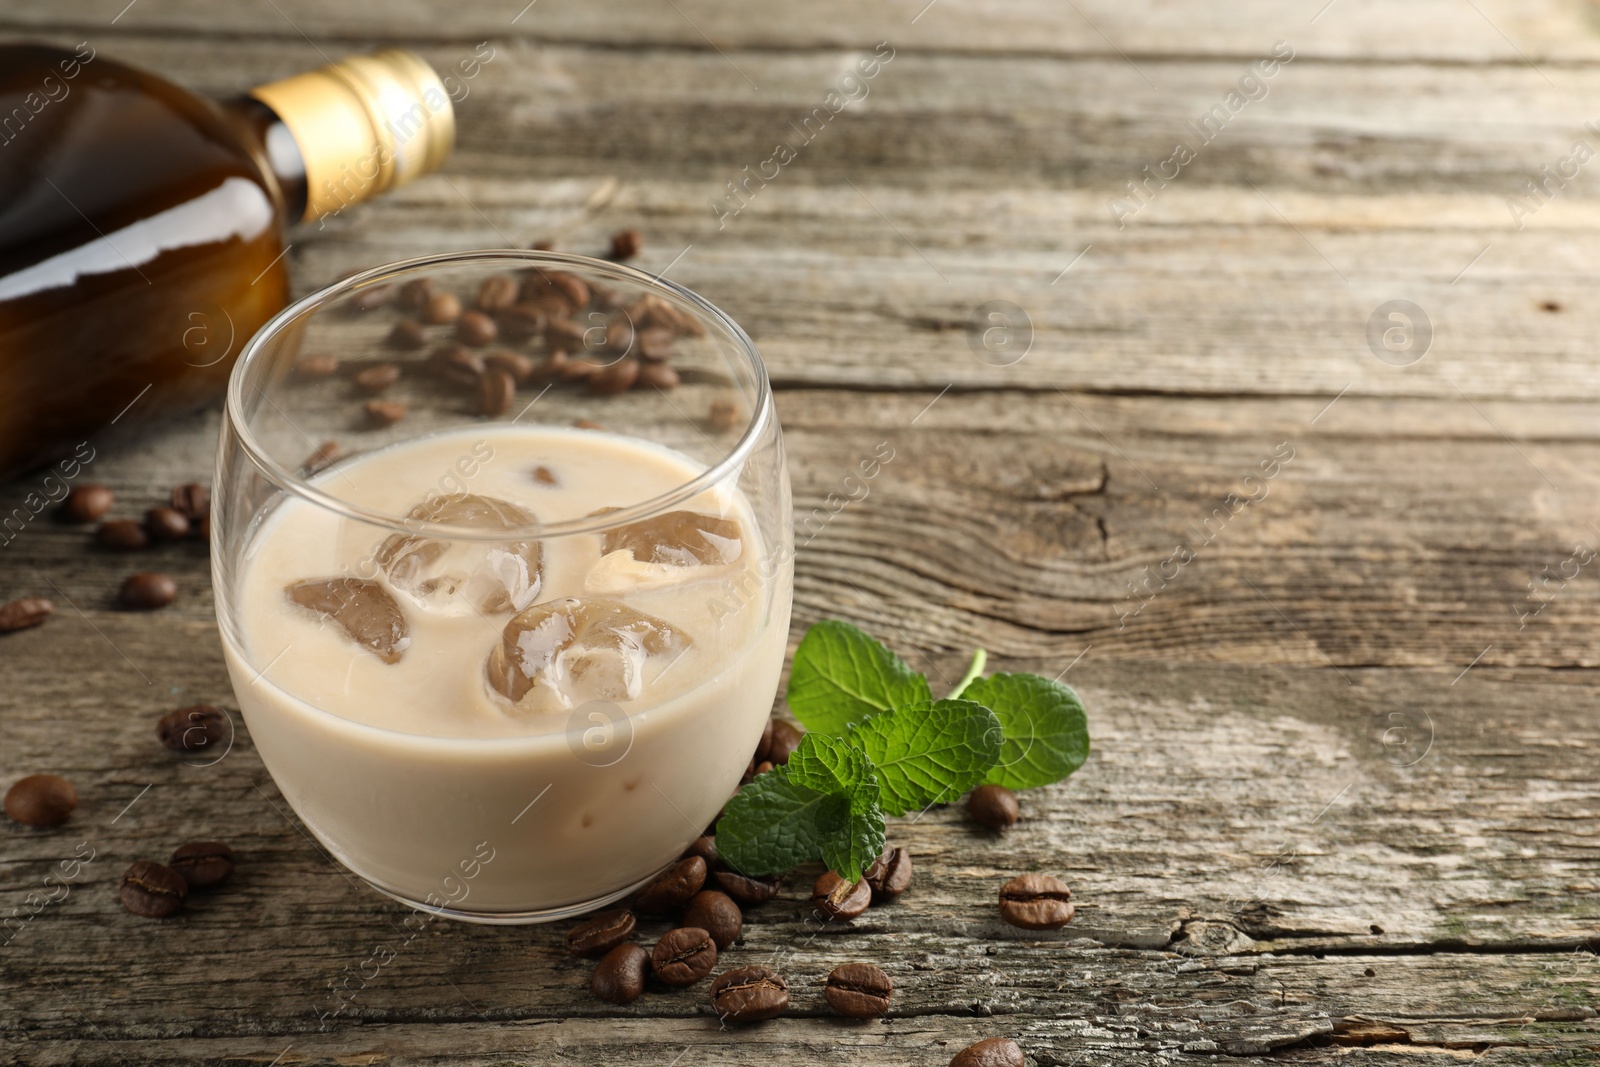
{"x":364,"y":125}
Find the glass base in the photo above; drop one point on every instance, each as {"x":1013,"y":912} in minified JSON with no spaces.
{"x":520,"y":918}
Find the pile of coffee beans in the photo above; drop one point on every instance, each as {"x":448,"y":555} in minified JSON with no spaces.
{"x":154,"y":890}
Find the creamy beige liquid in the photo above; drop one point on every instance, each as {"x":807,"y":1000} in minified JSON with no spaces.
{"x":428,"y":780}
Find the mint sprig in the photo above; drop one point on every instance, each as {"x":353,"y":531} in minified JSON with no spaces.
{"x":879,"y":744}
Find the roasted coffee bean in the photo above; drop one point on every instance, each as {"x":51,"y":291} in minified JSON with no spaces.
{"x":442,"y":308}
{"x":618,"y":338}
{"x":41,"y":800}
{"x":746,"y":892}
{"x":371,"y":298}
{"x":152,"y":891}
{"x":655,"y":344}
{"x":602,"y":933}
{"x":764,"y":746}
{"x":384,"y":412}
{"x":193,"y":500}
{"x":619,"y":977}
{"x":672,"y":889}
{"x":545,"y":245}
{"x":377,"y":378}
{"x":415,"y":293}
{"x":327,"y":453}
{"x":657,"y":376}
{"x":166,"y":524}
{"x":578,"y":370}
{"x":617,"y":378}
{"x":520,"y":321}
{"x":761,"y":768}
{"x":1036,"y":902}
{"x":499,"y":291}
{"x":683,"y":956}
{"x":993,"y":807}
{"x":147,"y":591}
{"x":203,"y":864}
{"x":749,"y":995}
{"x":495,"y":391}
{"x":476,"y":329}
{"x":408,"y":335}
{"x":24,"y":612}
{"x":455,"y":364}
{"x":785,"y":739}
{"x":573,"y":289}
{"x":87,"y":503}
{"x":716,"y":914}
{"x":890,"y":874}
{"x":122,"y":535}
{"x":858,"y":991}
{"x":316,"y":367}
{"x":564,"y":335}
{"x":587,"y":424}
{"x":706,"y":848}
{"x":834,"y":898}
{"x":544,"y":475}
{"x":626,"y":244}
{"x":519,"y":366}
{"x":991,"y":1052}
{"x":723,"y":415}
{"x":199,"y":728}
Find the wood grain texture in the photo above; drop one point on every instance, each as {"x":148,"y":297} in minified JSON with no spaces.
{"x":1341,"y":805}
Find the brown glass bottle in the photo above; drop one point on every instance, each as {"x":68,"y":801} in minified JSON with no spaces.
{"x":142,"y":227}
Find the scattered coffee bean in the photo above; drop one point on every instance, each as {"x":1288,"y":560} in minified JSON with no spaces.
{"x":147,"y":591}
{"x":706,"y":848}
{"x":683,"y":956}
{"x":408,"y":335}
{"x":723,"y":415}
{"x":655,"y":344}
{"x":166,"y":524}
{"x":619,"y":977}
{"x":497,"y":292}
{"x":1036,"y":902}
{"x":544,"y":245}
{"x":993,"y":807}
{"x":764,"y":746}
{"x":41,"y":800}
{"x":618,"y":338}
{"x":746,"y":892}
{"x":626,"y":244}
{"x":890,"y":874}
{"x":152,"y":891}
{"x":415,"y":293}
{"x":573,"y":289}
{"x":617,"y":378}
{"x":194,"y":729}
{"x":672,"y":889}
{"x":602,"y":933}
{"x":192,"y":500}
{"x":761,"y":768}
{"x":476,"y":329}
{"x":578,"y":370}
{"x":316,"y":367}
{"x":657,"y":376}
{"x":858,"y":991}
{"x":785,"y":739}
{"x":326,"y":454}
{"x":519,"y":366}
{"x":24,"y":612}
{"x":384,"y":412}
{"x":564,"y":335}
{"x":587,"y":424}
{"x":495,"y":391}
{"x":455,"y":364}
{"x":371,"y":298}
{"x":544,"y":475}
{"x":442,"y":308}
{"x":749,"y":995}
{"x":87,"y":503}
{"x":991,"y":1052}
{"x":122,"y":535}
{"x":520,"y":322}
{"x":203,"y":864}
{"x":377,"y":378}
{"x":834,"y":898}
{"x":716,"y":914}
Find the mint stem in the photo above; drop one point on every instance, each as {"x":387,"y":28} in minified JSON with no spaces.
{"x":974,"y":672}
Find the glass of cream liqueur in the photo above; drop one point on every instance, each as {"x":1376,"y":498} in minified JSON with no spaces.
{"x":508,"y":654}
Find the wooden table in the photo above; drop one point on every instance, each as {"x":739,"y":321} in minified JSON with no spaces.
{"x":1342,"y":800}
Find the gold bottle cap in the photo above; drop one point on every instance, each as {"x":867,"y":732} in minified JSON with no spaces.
{"x":364,"y":125}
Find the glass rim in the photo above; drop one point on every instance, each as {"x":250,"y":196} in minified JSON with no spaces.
{"x":304,"y":486}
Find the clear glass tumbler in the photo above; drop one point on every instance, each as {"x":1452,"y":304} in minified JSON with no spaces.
{"x":503,"y":565}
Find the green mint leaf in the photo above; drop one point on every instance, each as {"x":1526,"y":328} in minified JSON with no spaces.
{"x":770,"y":825}
{"x":929,"y":752}
{"x":831,"y":765}
{"x":851,"y":829}
{"x":843,"y":676}
{"x":1046,"y":732}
